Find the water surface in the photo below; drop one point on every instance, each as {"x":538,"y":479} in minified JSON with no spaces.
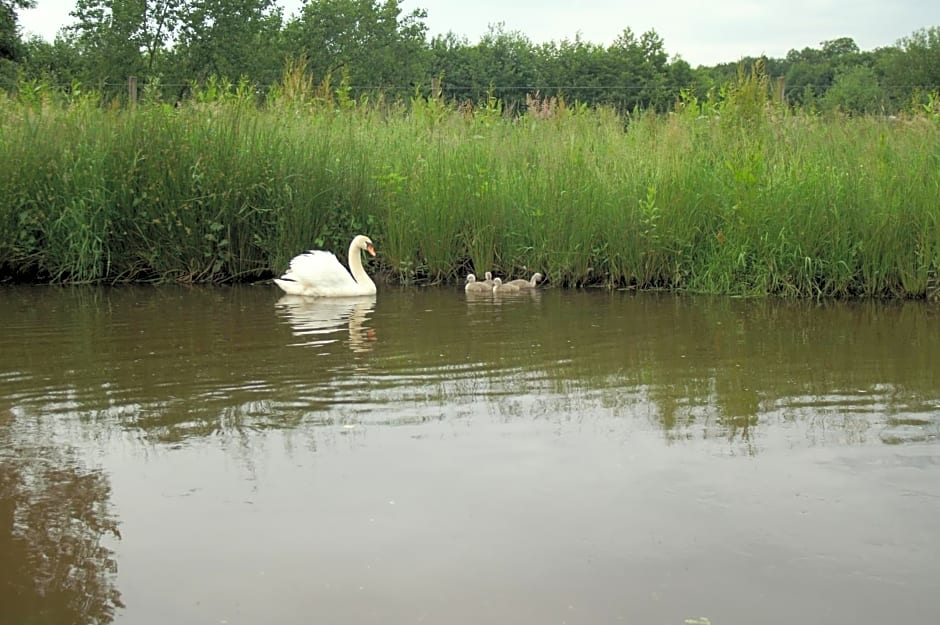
{"x":229,"y":455}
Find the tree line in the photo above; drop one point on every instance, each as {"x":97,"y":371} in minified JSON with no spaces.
{"x":370,"y":47}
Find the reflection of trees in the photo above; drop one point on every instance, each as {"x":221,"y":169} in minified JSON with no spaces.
{"x":54,"y":514}
{"x":721,"y":368}
{"x":180,"y":363}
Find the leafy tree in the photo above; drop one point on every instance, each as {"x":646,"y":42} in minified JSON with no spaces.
{"x":10,"y":44}
{"x":576,"y":69}
{"x":57,"y":63}
{"x":365,"y":40}
{"x":118,"y":38}
{"x":640,"y":68}
{"x":724,"y":73}
{"x":838,"y":49}
{"x":889,"y":63}
{"x":683,"y":77}
{"x":855,"y":90}
{"x":810,"y":75}
{"x":507,"y":64}
{"x":454,"y":60}
{"x":374,"y":45}
{"x":9,"y":27}
{"x":910,"y":71}
{"x":811,"y":72}
{"x":228,"y":38}
{"x":914,"y":66}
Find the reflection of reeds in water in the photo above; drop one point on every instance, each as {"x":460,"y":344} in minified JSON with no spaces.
{"x":320,"y":319}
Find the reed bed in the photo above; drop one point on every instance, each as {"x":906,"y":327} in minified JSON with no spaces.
{"x":724,"y":199}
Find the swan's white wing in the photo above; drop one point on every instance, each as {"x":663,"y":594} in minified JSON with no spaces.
{"x":318,"y":272}
{"x":321,"y":269}
{"x":289,"y":285}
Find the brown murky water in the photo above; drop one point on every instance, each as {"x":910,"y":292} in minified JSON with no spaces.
{"x":223,"y":455}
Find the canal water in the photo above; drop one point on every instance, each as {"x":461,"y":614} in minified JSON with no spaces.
{"x":231,"y":455}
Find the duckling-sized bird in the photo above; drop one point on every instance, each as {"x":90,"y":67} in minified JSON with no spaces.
{"x":499,"y":287}
{"x":526,"y":284}
{"x":476,"y":287}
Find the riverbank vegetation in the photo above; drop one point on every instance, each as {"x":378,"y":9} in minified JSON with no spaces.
{"x":738,"y":194}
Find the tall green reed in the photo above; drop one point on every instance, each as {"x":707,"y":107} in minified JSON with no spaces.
{"x":738,"y":195}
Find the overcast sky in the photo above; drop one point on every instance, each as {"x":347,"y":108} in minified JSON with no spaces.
{"x":701,"y":32}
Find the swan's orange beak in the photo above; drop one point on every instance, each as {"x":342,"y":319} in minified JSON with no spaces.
{"x":370,"y":249}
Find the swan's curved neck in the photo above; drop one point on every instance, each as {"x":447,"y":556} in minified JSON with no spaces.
{"x":355,"y":266}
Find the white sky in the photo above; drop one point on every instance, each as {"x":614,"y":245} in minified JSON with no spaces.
{"x":701,"y":32}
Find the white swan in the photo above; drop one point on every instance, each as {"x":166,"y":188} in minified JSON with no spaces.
{"x":526,"y":284}
{"x":318,"y":274}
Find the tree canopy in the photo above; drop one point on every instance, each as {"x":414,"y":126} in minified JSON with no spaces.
{"x":374,"y":46}
{"x":9,"y":27}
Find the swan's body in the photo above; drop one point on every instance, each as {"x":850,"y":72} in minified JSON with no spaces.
{"x":319,"y":274}
{"x":526,"y":284}
{"x":499,"y":287}
{"x":476,"y":287}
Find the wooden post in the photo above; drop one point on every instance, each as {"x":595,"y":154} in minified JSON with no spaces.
{"x":132,"y":90}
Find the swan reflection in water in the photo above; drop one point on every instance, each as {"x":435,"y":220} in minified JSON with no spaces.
{"x":322,"y":320}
